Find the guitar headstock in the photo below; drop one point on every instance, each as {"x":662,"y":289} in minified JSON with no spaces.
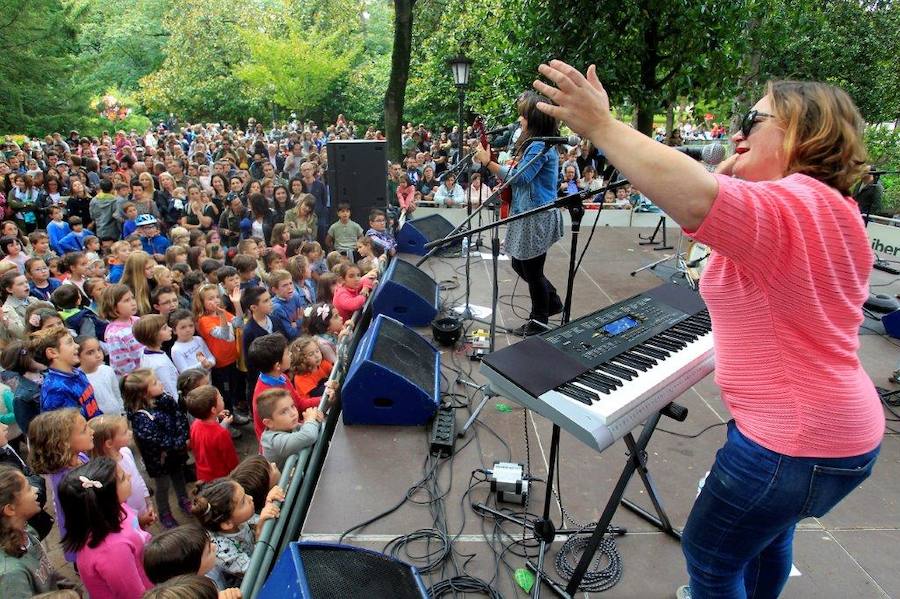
{"x":479,"y":130}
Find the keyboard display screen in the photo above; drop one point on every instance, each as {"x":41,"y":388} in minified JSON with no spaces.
{"x":617,"y":327}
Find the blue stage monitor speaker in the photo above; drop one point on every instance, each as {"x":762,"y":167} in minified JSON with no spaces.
{"x":394,"y":377}
{"x":328,"y":571}
{"x":406,"y":293}
{"x":416,"y":233}
{"x":891,"y":323}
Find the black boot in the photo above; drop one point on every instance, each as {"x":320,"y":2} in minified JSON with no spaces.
{"x":529,"y":328}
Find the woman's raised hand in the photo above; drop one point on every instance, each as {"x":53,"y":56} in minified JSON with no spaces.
{"x":581,"y":102}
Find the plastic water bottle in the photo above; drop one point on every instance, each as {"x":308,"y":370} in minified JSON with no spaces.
{"x":465,"y":247}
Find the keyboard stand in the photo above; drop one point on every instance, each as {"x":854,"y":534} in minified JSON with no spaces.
{"x":637,"y":461}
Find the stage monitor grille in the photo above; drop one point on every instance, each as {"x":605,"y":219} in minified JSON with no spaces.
{"x":339,"y":574}
{"x":405,"y":352}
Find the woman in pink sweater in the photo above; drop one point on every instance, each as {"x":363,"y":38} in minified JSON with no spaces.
{"x":784,"y":286}
{"x":103,"y":530}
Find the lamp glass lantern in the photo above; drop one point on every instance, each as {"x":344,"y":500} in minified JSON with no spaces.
{"x":460,"y":66}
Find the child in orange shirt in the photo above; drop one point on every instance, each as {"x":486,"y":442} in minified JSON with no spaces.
{"x":311,"y":371}
{"x":215,"y":326}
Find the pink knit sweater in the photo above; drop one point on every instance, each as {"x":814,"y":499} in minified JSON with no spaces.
{"x":785,"y":285}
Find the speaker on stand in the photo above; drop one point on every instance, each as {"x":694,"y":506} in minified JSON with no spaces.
{"x":357,"y":174}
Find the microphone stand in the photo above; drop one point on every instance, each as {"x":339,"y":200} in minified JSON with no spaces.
{"x":454,"y":235}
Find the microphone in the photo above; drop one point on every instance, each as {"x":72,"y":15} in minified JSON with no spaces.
{"x":572,"y":140}
{"x":500,"y":130}
{"x":878,"y":173}
{"x":711,"y":154}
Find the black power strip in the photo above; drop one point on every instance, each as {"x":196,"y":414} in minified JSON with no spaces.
{"x":443,"y":432}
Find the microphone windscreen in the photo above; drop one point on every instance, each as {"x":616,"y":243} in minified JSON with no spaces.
{"x":713,"y":153}
{"x":573,"y":140}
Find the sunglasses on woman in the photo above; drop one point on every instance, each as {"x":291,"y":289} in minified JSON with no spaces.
{"x":750,"y":119}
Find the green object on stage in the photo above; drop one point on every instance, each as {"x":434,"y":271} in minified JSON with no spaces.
{"x":525,"y":579}
{"x":502,"y":407}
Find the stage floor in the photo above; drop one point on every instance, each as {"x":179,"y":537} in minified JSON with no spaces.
{"x":850,"y":552}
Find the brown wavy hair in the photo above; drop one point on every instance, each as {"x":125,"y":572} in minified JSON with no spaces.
{"x":12,"y":484}
{"x":49,"y":438}
{"x":822,"y":132}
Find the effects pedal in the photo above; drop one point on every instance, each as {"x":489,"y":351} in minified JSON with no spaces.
{"x":443,"y":432}
{"x":509,"y":483}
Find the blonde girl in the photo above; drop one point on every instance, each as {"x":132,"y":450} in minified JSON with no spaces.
{"x":310,"y":370}
{"x":60,"y":441}
{"x":137,"y":276}
{"x":161,"y":431}
{"x":323,"y":322}
{"x":162,"y":276}
{"x":112,"y":438}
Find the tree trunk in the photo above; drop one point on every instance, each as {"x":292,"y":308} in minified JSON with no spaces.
{"x":395,"y":96}
{"x":647,"y":102}
{"x":670,"y":116}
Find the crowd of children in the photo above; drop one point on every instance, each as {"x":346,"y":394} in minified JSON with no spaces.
{"x":168,"y":344}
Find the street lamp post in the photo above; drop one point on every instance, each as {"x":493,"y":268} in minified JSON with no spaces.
{"x":460,"y":66}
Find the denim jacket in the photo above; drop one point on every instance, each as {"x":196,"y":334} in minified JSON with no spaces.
{"x":536,"y":184}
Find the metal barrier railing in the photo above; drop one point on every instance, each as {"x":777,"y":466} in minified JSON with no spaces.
{"x":301,"y":471}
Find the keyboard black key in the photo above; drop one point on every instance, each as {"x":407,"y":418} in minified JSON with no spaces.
{"x":596,"y":386}
{"x":687,"y":337}
{"x":624,"y":361}
{"x":576,"y":393}
{"x":672,"y":339}
{"x":664,"y":343}
{"x":620,"y":370}
{"x":615,"y":371}
{"x":637,"y":353}
{"x":604,"y":378}
{"x":652,"y":351}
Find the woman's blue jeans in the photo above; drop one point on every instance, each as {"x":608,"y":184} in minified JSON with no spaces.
{"x":737,"y":540}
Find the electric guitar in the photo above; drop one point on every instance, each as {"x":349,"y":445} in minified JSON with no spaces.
{"x":506,"y":193}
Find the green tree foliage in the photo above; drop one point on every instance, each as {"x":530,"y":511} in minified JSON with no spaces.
{"x":122,"y":40}
{"x":196,"y":79}
{"x":853,"y":44}
{"x":473,"y":27}
{"x":292,"y":65}
{"x":40,"y":87}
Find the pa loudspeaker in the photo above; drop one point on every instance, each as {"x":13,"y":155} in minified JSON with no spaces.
{"x":406,"y":293}
{"x":330,"y":571}
{"x":357,"y":174}
{"x":416,"y":233}
{"x":394,"y":377}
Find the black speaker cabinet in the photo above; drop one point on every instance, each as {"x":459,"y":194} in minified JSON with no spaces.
{"x":357,"y":174}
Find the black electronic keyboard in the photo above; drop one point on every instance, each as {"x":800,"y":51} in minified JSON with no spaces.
{"x":601,"y":375}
